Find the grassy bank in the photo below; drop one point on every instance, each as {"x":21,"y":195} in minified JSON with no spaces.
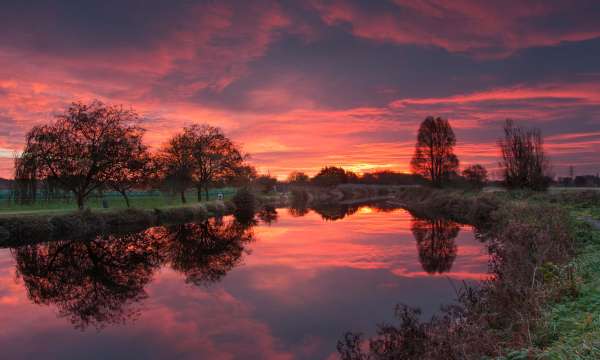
{"x":139,"y":200}
{"x":572,"y":326}
{"x":29,"y":228}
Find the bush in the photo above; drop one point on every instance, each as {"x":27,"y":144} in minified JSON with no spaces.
{"x":245,"y":204}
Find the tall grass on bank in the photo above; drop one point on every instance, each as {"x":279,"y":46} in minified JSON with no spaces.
{"x":530,"y":246}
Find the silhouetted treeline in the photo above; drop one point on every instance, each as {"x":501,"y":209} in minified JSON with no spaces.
{"x":92,"y":147}
{"x":95,"y":147}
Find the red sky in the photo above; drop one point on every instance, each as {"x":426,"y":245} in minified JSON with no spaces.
{"x":303,"y":84}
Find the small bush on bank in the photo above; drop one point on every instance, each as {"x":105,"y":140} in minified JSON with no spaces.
{"x":245,"y":204}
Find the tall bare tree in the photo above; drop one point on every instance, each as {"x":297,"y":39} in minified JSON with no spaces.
{"x":83,"y":148}
{"x":524,"y":163}
{"x":434,"y":157}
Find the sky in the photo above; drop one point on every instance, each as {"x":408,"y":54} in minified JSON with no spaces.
{"x":304,"y":84}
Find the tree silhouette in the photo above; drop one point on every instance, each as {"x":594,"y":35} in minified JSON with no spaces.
{"x":207,"y":251}
{"x":215,"y":156}
{"x":435,"y":242}
{"x":93,"y":282}
{"x":83,"y":148}
{"x":434,"y":157}
{"x":298,"y":178}
{"x":330,"y":176}
{"x":177,"y":165}
{"x":524,"y":163}
{"x":201,"y":156}
{"x":137,"y":172}
{"x":476,"y":175}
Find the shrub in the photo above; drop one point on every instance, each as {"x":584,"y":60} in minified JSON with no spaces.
{"x":245,"y":204}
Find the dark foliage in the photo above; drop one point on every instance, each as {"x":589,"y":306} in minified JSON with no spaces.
{"x":205,"y":252}
{"x":476,"y":175}
{"x":434,"y":157}
{"x":435,"y":242}
{"x":86,"y":147}
{"x":330,"y":176}
{"x":245,"y":205}
{"x":265,"y":183}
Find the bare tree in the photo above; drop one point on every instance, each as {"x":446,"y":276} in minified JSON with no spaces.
{"x":83,"y":148}
{"x":524,"y":162}
{"x":434,"y":157}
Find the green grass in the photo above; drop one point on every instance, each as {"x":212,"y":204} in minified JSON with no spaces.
{"x":115,"y":201}
{"x":574,"y":325}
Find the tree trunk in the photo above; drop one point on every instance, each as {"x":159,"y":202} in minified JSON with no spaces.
{"x":80,"y":202}
{"x":199,"y":191}
{"x":206,"y":192}
{"x":124,"y":193}
{"x":183,"y":197}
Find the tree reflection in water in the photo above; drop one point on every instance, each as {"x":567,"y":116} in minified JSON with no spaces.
{"x":435,"y":243}
{"x":267,"y":214}
{"x":333,"y":212}
{"x":101,"y":281}
{"x":298,"y":210}
{"x":205,"y":252}
{"x":89,"y":281}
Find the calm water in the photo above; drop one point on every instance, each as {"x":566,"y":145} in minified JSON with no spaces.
{"x":284,"y":290}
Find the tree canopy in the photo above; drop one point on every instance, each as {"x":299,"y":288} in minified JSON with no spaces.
{"x":201,"y":156}
{"x":86,"y":147}
{"x":434,"y":157}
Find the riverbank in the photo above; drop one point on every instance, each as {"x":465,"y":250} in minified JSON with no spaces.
{"x":23,"y":229}
{"x":572,"y":326}
{"x":543,"y":297}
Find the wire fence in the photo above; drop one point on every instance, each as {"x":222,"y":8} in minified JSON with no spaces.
{"x":145,"y":199}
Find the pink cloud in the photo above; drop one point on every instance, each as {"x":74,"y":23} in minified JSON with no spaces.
{"x":483,"y":29}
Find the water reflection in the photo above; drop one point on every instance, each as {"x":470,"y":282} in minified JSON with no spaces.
{"x":435,"y":242}
{"x":186,"y":288}
{"x":99,"y":282}
{"x":268,"y":214}
{"x":90,"y":282}
{"x":334,"y":212}
{"x":205,"y":252}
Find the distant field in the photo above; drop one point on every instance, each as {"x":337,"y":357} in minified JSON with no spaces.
{"x":154,"y":199}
